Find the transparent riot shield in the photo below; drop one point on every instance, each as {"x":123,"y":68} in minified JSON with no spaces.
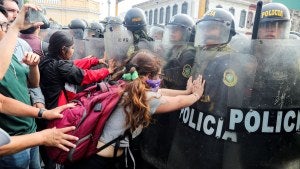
{"x":79,"y":49}
{"x":158,"y":137}
{"x":45,"y":34}
{"x":248,"y":116}
{"x":240,"y":43}
{"x":118,"y":42}
{"x":179,"y":59}
{"x":87,"y":47}
{"x":76,"y":33}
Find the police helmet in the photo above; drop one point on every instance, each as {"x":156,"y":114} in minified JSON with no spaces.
{"x":97,"y":29}
{"x":135,"y":19}
{"x":111,"y":23}
{"x":156,"y":32}
{"x":77,"y":24}
{"x":275,"y":15}
{"x":179,"y":23}
{"x":215,"y":28}
{"x":115,"y":20}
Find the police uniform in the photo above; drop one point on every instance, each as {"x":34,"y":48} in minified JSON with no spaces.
{"x":179,"y":67}
{"x":275,"y":89}
{"x":224,"y":73}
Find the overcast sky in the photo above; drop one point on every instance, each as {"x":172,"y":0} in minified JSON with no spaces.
{"x":123,"y":6}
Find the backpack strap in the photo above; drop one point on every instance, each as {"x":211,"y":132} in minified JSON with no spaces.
{"x":121,"y":137}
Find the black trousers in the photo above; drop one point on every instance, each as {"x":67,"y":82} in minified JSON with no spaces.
{"x":98,"y":162}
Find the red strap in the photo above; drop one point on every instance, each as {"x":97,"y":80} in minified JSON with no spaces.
{"x":91,"y":76}
{"x":62,"y":100}
{"x":86,"y":63}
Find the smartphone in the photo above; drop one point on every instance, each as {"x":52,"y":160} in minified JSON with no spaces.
{"x":35,"y":16}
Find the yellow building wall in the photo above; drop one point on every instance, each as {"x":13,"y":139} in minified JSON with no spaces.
{"x":63,"y":11}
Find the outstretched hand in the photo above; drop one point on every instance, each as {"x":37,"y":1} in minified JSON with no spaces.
{"x":56,"y":112}
{"x":189,"y":85}
{"x":198,"y":86}
{"x":58,"y":138}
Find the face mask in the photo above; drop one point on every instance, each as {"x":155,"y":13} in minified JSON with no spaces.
{"x":154,"y":84}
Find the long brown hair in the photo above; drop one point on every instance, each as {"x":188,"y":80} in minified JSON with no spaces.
{"x":135,"y":102}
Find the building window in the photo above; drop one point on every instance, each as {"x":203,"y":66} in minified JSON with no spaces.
{"x":168,"y":13}
{"x":175,"y":8}
{"x":249,"y":20}
{"x":184,"y":8}
{"x":146,"y":13}
{"x":242,"y":18}
{"x":155,"y":16}
{"x":232,"y":10}
{"x":150,"y":17}
{"x":161,"y":15}
{"x":219,"y":6}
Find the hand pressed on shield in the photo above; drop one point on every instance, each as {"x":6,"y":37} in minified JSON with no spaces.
{"x":198,"y":87}
{"x":189,"y":85}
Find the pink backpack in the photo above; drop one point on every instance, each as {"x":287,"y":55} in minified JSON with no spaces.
{"x":94,"y":106}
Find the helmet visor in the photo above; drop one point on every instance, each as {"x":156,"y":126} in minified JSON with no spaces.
{"x":212,"y":33}
{"x":274,"y":30}
{"x":176,"y":34}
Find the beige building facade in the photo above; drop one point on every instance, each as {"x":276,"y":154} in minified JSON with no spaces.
{"x":63,"y":11}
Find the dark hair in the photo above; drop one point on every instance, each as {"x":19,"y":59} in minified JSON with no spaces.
{"x":29,"y":30}
{"x":3,"y":11}
{"x":2,"y":1}
{"x":135,"y":102}
{"x":57,"y":41}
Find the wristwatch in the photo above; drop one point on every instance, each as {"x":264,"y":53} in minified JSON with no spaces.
{"x":40,"y":113}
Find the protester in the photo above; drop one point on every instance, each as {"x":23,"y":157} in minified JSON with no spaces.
{"x":141,"y":100}
{"x":57,"y":69}
{"x":50,"y":137}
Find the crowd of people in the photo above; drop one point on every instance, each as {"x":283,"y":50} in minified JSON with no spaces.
{"x":183,"y":64}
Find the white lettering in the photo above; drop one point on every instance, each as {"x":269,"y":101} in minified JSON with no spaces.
{"x":186,"y":115}
{"x":236,"y":116}
{"x":265,"y":127}
{"x":181,"y":112}
{"x":298,"y":122}
{"x":200,"y":118}
{"x":191,"y":123}
{"x":219,"y":128}
{"x":255,"y":115}
{"x":230,"y":136}
{"x":286,"y":126}
{"x":208,"y":118}
{"x":278,"y":122}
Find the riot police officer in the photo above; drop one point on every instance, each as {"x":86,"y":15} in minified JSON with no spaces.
{"x":157,"y":138}
{"x":96,"y":30}
{"x":201,"y":139}
{"x":275,"y":91}
{"x":135,"y":21}
{"x":181,"y":53}
{"x":156,"y":32}
{"x":77,"y":27}
{"x":275,"y":22}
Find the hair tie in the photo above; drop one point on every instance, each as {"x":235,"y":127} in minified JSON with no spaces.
{"x":130,"y":76}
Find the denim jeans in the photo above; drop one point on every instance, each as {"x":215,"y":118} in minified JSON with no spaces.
{"x":26,"y":159}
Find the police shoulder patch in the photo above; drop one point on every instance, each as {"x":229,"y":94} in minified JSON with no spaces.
{"x":187,"y":71}
{"x":229,"y":78}
{"x":130,"y":51}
